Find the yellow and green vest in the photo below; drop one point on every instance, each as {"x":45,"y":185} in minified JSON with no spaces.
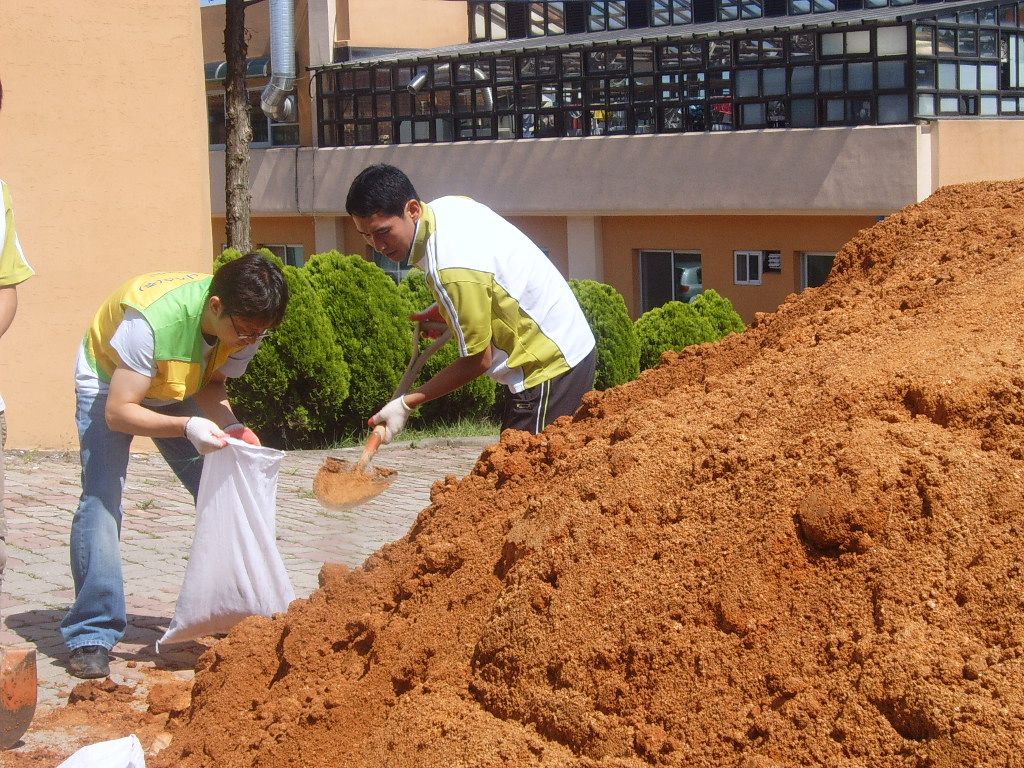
{"x":173,"y":304}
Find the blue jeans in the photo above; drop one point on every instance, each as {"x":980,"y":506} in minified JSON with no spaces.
{"x":98,"y":614}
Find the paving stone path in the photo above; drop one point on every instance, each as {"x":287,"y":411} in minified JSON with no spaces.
{"x":41,"y":496}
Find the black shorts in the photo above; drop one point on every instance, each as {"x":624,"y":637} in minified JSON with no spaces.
{"x":534,"y":408}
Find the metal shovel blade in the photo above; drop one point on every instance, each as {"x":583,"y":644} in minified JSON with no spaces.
{"x":18,"y":687}
{"x":340,"y":485}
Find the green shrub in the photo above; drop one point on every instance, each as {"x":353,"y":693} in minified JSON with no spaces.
{"x":470,"y":401}
{"x":371,"y":326}
{"x":230,"y":254}
{"x":671,"y":326}
{"x":618,"y":349}
{"x":718,"y":311}
{"x":294,"y":391}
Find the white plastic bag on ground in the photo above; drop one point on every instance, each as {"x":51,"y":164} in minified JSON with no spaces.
{"x":234,"y":568}
{"x":119,"y":753}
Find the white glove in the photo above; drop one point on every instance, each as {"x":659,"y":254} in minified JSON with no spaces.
{"x":206,"y":436}
{"x":239,"y":431}
{"x":393,"y":416}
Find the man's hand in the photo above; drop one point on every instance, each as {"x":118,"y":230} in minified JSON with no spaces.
{"x":239,"y":431}
{"x":204,"y":434}
{"x":393,"y":416}
{"x":432,"y":319}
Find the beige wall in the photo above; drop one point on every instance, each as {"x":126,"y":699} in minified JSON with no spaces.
{"x":359,"y":23}
{"x":716,"y":237}
{"x":103,"y":142}
{"x":976,"y":150}
{"x":548,"y":232}
{"x":401,"y":23}
{"x":293,"y":230}
{"x":257,"y":24}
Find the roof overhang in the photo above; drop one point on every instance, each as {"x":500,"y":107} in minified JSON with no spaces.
{"x":677,"y":33}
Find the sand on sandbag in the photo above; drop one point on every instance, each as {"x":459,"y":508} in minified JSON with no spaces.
{"x":799,"y":546}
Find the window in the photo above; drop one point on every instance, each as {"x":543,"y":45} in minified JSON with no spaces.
{"x":396,"y":270}
{"x":216,"y":119}
{"x":605,"y":15}
{"x":669,"y":276}
{"x":666,"y":12}
{"x":892,"y":41}
{"x":265,"y":132}
{"x":735,"y":80}
{"x":815,"y":269}
{"x":487,"y":22}
{"x":730,"y":10}
{"x":747,"y":268}
{"x":1011,"y":63}
{"x":292,"y":255}
{"x":478,"y":14}
{"x":546,"y":18}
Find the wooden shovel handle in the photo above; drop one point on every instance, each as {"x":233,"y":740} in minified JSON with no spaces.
{"x":411,"y":372}
{"x":372,"y":444}
{"x":419,"y":358}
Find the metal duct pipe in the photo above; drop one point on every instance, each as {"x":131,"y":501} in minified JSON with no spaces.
{"x":277,"y":101}
{"x":479,"y":74}
{"x":418,"y":81}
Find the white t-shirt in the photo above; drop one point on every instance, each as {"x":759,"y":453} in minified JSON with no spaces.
{"x":134,"y":343}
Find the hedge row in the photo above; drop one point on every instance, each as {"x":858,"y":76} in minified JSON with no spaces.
{"x":346,"y":340}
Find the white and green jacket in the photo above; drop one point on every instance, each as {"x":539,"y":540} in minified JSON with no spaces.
{"x":496,"y":288}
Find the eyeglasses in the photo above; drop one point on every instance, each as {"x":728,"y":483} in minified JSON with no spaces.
{"x":250,"y":338}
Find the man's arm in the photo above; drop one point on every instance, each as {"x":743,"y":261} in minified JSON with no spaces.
{"x":469,"y":317}
{"x":213,"y":399}
{"x":8,"y":306}
{"x":450,"y":378}
{"x":394,"y":415}
{"x":125,"y":412}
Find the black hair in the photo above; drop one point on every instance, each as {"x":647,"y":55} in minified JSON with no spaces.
{"x":252,"y":287}
{"x":377,"y":189}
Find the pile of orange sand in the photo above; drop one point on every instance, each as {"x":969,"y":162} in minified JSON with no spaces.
{"x":800,"y":546}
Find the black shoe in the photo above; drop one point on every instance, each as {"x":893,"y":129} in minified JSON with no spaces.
{"x":89,"y":661}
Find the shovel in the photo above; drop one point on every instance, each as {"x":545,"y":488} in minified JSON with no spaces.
{"x":339,"y":485}
{"x":18,"y":685}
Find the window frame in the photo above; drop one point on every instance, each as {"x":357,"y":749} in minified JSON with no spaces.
{"x":804,"y":256}
{"x":254,"y":108}
{"x":686,"y":257}
{"x":397,"y":271}
{"x":748,"y":255}
{"x":694,"y":85}
{"x":292,"y":254}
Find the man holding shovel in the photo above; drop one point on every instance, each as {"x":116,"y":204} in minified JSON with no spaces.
{"x":154,"y":363}
{"x":511,"y":312}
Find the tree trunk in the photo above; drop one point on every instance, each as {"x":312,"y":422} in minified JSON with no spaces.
{"x":237,"y":198}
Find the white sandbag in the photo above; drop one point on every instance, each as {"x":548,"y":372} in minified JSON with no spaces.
{"x":119,"y":753}
{"x":234,"y":568}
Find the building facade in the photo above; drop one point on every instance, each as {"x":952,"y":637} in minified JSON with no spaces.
{"x":652,"y":143}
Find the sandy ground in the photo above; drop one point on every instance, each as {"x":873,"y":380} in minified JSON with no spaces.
{"x":41,"y":495}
